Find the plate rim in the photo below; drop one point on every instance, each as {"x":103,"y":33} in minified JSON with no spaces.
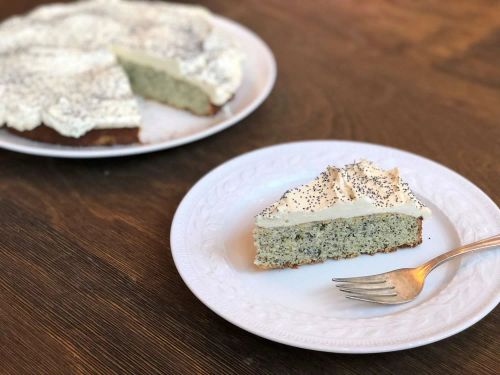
{"x":445,"y":333}
{"x":70,"y":152}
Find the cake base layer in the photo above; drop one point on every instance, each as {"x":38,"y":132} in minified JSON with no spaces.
{"x":291,"y":246}
{"x":95,"y":137}
{"x":157,"y":85}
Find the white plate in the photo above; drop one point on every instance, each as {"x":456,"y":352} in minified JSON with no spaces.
{"x":165,"y":127}
{"x":212,"y":248}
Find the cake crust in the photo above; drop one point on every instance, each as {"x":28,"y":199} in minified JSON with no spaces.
{"x":94,"y":137}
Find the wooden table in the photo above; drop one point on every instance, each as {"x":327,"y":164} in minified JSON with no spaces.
{"x":87,"y":281}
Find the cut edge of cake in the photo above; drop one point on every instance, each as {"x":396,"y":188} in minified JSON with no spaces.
{"x":263,"y":260}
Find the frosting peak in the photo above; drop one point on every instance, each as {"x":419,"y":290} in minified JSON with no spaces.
{"x":357,"y":189}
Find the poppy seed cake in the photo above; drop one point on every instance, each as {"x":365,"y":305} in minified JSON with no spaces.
{"x":69,"y":73}
{"x":342,"y":213}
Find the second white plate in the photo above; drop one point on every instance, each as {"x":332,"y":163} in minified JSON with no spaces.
{"x":166,"y":127}
{"x":213,"y":250}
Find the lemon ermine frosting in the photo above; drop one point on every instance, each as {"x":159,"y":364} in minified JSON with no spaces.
{"x":357,"y":189}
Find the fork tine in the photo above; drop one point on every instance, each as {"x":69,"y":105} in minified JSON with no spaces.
{"x":390,"y":300}
{"x":378,"y":286}
{"x":370,"y":290}
{"x":374,"y":279}
{"x":363,"y":287}
{"x":369,"y":293}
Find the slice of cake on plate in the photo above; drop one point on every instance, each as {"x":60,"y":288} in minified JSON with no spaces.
{"x":69,"y":72}
{"x":342,"y":213}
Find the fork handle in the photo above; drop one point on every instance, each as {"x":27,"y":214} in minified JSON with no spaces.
{"x":474,"y":246}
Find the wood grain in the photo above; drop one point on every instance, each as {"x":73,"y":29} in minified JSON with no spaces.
{"x":87,"y":282}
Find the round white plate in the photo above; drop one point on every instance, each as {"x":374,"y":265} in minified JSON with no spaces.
{"x":165,"y":127}
{"x":212,"y":248}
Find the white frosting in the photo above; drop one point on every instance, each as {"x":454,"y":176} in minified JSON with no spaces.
{"x":58,"y":64}
{"x":357,"y":189}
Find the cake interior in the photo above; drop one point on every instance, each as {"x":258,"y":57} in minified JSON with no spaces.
{"x":289,"y":246}
{"x":156,"y":84}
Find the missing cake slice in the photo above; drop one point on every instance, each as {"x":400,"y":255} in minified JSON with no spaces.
{"x":342,"y":213}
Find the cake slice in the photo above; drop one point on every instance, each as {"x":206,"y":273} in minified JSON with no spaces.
{"x":342,"y":213}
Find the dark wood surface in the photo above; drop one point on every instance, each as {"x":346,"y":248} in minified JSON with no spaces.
{"x":87,"y":281}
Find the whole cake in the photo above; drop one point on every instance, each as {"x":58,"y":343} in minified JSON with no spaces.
{"x":69,"y":72}
{"x":342,"y":213}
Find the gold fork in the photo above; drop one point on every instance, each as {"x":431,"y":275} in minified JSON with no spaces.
{"x":405,"y":284}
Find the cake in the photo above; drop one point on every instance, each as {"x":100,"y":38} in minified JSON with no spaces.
{"x":69,"y":73}
{"x":342,"y":213}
